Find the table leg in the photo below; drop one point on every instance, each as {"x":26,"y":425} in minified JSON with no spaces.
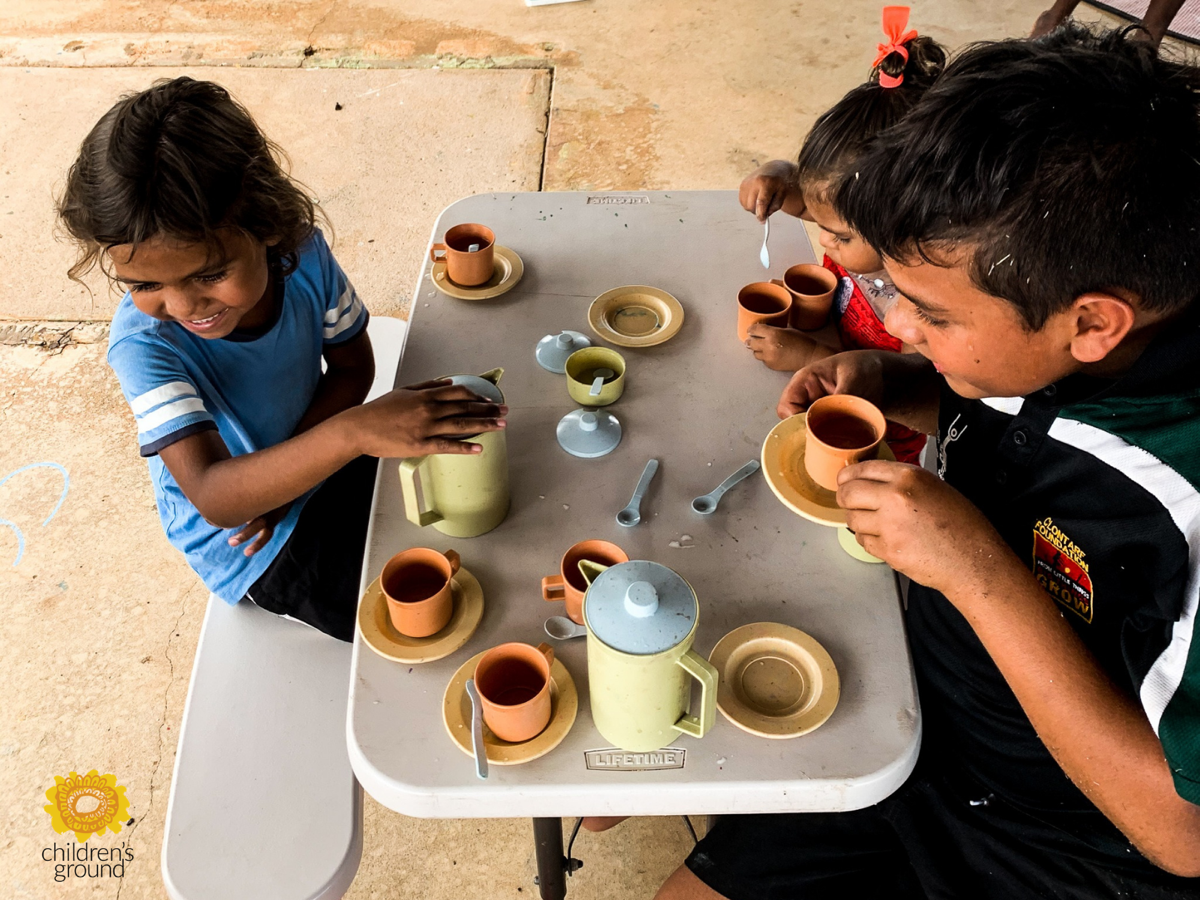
{"x":551,"y":864}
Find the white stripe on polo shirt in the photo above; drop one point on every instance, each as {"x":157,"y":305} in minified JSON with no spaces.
{"x":344,"y":302}
{"x":1010,"y":405}
{"x":346,"y":321}
{"x":151,"y":399}
{"x":165,"y":414}
{"x":1182,"y":502}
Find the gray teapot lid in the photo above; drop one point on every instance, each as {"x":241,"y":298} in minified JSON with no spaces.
{"x":589,"y":433}
{"x":640,"y":607}
{"x":486,"y":389}
{"x":552,"y":350}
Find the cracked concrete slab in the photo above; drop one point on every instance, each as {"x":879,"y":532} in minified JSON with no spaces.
{"x":383,"y":150}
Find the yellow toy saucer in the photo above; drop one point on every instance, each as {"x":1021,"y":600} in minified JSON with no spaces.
{"x":507,"y":272}
{"x":375,"y":625}
{"x":456,"y":713}
{"x":636,"y":315}
{"x":775,"y":681}
{"x":783,"y":466}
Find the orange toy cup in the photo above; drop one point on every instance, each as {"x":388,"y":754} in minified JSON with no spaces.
{"x":568,"y":584}
{"x":514,"y":685}
{"x":417,"y":586}
{"x":812,"y":288}
{"x":465,"y":266}
{"x":842,"y":430}
{"x":762,"y":301}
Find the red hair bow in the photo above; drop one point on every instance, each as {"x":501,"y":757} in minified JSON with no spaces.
{"x":895,"y":18}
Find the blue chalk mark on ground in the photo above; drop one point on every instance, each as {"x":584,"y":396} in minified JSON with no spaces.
{"x":63,"y":496}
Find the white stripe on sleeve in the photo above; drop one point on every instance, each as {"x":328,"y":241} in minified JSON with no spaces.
{"x":165,"y":414}
{"x":344,"y":302}
{"x":348,"y":320}
{"x":162,"y":394}
{"x":1182,"y":502}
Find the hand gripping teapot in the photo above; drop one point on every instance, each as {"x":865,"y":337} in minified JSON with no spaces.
{"x":641,"y":620}
{"x":465,"y":495}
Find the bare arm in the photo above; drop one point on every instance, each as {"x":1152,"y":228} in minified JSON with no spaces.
{"x":1158,"y":18}
{"x":346,"y":381}
{"x":771,"y":187}
{"x":232,"y":490}
{"x":1096,"y":732}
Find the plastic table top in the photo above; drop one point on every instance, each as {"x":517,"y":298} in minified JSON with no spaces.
{"x":702,"y":405}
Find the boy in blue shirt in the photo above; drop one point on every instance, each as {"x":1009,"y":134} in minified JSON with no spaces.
{"x":261,"y":462}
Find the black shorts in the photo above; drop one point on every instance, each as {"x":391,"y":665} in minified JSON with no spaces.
{"x":937,"y":837}
{"x":315,"y":576}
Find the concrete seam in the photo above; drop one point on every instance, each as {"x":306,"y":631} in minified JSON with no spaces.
{"x":546,"y":135}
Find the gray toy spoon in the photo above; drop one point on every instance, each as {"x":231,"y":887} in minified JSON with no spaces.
{"x":706,"y":504}
{"x":563,"y":629}
{"x":632,"y":514}
{"x":481,"y":761}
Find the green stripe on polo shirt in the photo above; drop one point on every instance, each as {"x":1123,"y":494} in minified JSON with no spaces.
{"x":1166,"y":429}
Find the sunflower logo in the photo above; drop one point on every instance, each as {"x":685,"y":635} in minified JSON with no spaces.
{"x":86,"y":804}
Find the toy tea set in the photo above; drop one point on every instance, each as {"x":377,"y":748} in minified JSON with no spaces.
{"x":514,"y":702}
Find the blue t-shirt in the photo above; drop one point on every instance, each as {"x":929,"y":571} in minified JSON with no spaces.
{"x":254,"y":391}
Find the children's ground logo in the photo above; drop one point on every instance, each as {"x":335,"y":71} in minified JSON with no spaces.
{"x":87,"y":804}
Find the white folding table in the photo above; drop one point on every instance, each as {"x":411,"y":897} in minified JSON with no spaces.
{"x":702,"y":405}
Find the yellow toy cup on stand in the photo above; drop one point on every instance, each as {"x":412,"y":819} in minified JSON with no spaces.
{"x":595,"y":376}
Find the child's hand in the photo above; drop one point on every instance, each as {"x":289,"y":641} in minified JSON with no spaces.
{"x":262,"y":529}
{"x":857,"y":372}
{"x":919,"y":525}
{"x":424,"y":419}
{"x":766,"y":189}
{"x":783,"y":349}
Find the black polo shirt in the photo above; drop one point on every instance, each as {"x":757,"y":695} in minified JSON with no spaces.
{"x":1094,"y":485}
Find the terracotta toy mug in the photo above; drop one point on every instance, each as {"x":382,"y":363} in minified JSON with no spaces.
{"x":514,"y":684}
{"x":463,"y":265}
{"x":812,"y":288}
{"x":569,"y":584}
{"x":762,"y":301}
{"x":842,"y":430}
{"x":417,"y":586}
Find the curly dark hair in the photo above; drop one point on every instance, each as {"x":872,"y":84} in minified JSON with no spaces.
{"x":1063,"y":165}
{"x":182,"y":160}
{"x":843,"y":131}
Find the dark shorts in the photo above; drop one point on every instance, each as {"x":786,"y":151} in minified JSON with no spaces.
{"x":315,"y":576}
{"x":936,"y":837}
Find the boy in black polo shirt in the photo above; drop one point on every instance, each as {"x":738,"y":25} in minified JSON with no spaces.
{"x":1038,"y":209}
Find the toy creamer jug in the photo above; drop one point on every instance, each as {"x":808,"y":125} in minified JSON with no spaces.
{"x":465,"y":495}
{"x":641,"y":620}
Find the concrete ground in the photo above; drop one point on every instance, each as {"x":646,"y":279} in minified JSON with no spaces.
{"x":439,"y":100}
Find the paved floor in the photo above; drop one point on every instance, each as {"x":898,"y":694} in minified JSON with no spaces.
{"x":101,"y":616}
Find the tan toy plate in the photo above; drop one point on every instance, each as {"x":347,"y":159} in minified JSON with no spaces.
{"x":456,"y":713}
{"x":783,"y":466}
{"x":775,"y":680}
{"x":375,"y":625}
{"x":505,"y":276}
{"x":636,"y":316}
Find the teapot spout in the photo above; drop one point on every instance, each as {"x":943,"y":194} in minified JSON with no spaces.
{"x":493,"y":375}
{"x":590,"y":570}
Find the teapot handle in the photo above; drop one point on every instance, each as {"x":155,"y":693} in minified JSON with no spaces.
{"x":702,"y":670}
{"x":409,"y":474}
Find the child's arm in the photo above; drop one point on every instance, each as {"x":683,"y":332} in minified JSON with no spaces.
{"x":770,"y":188}
{"x":229,"y":490}
{"x":784,"y":349}
{"x":1098,"y":735}
{"x":346,"y":381}
{"x":904,"y":385}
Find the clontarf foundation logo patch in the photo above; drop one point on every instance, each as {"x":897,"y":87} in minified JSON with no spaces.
{"x":1061,"y":569}
{"x":86,"y":804}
